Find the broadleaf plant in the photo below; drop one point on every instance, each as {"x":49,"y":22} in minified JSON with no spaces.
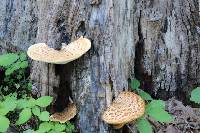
{"x":195,"y":95}
{"x":135,"y":84}
{"x":4,"y":123}
{"x":144,"y":126}
{"x":53,"y":127}
{"x":15,"y":98}
{"x":154,"y":109}
{"x":44,"y":101}
{"x":8,"y":59}
{"x":24,"y":116}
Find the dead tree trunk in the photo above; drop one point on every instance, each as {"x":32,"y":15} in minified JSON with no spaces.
{"x":168,"y":49}
{"x":155,"y":41}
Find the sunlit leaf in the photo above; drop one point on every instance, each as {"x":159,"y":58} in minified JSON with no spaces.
{"x":22,"y":103}
{"x":10,"y":103}
{"x":144,"y":95}
{"x":44,"y":116}
{"x":195,"y":95}
{"x":22,"y":56}
{"x":59,"y":127}
{"x":31,"y":103}
{"x":8,"y":59}
{"x":45,"y":127}
{"x":144,"y":126}
{"x":23,"y":64}
{"x":36,"y":111}
{"x":155,"y":104}
{"x":4,"y":123}
{"x":44,"y":101}
{"x":24,"y":116}
{"x":160,"y":115}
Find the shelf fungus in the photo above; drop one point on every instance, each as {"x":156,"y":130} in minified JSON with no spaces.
{"x":67,"y":53}
{"x":67,"y":114}
{"x":126,"y":108}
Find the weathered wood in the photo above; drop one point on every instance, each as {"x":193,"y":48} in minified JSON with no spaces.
{"x":100,"y":74}
{"x":168,"y":34}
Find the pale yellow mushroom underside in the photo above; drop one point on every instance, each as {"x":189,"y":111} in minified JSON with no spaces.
{"x":125,"y":108}
{"x":70,"y":52}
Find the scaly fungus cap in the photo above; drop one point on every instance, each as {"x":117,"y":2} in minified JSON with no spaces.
{"x":70,"y":52}
{"x":68,"y":113}
{"x":127,"y":107}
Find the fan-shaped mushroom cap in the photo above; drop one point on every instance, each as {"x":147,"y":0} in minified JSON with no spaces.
{"x":68,"y":113}
{"x":127,"y":107}
{"x":70,"y":52}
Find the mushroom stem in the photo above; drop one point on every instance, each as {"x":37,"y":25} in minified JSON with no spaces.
{"x":118,"y":126}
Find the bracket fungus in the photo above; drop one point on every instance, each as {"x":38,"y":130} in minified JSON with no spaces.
{"x":126,"y":108}
{"x":67,"y":53}
{"x":66,"y":115}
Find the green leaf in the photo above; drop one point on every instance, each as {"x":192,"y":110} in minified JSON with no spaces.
{"x":52,"y":131}
{"x":4,"y":123}
{"x":23,"y":64}
{"x":29,"y":86}
{"x":31,"y":103}
{"x":144,"y":95}
{"x":22,"y":103}
{"x":36,"y":111}
{"x":44,"y":101}
{"x":44,"y":116}
{"x":158,"y":104}
{"x":70,"y":127}
{"x":144,"y":126}
{"x":12,"y":68}
{"x":22,"y":56}
{"x":59,"y":127}
{"x":160,"y":115}
{"x":135,"y":84}
{"x":29,"y":131}
{"x":45,"y":127}
{"x":3,"y":109}
{"x":24,"y":116}
{"x":8,"y":59}
{"x":14,"y":95}
{"x":195,"y":95}
{"x":10,"y":103}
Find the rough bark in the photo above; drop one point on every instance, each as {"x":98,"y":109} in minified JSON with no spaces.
{"x":155,"y":41}
{"x":168,"y":34}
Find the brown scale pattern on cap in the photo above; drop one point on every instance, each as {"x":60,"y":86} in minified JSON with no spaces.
{"x":70,"y":52}
{"x":127,"y":107}
{"x":68,"y":113}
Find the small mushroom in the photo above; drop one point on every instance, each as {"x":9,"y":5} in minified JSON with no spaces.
{"x":66,"y":115}
{"x":67,"y":53}
{"x":126,"y":108}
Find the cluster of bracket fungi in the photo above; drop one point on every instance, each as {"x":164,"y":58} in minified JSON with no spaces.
{"x":126,"y":107}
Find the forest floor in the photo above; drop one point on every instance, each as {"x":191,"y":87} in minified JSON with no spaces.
{"x":187,"y":119}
